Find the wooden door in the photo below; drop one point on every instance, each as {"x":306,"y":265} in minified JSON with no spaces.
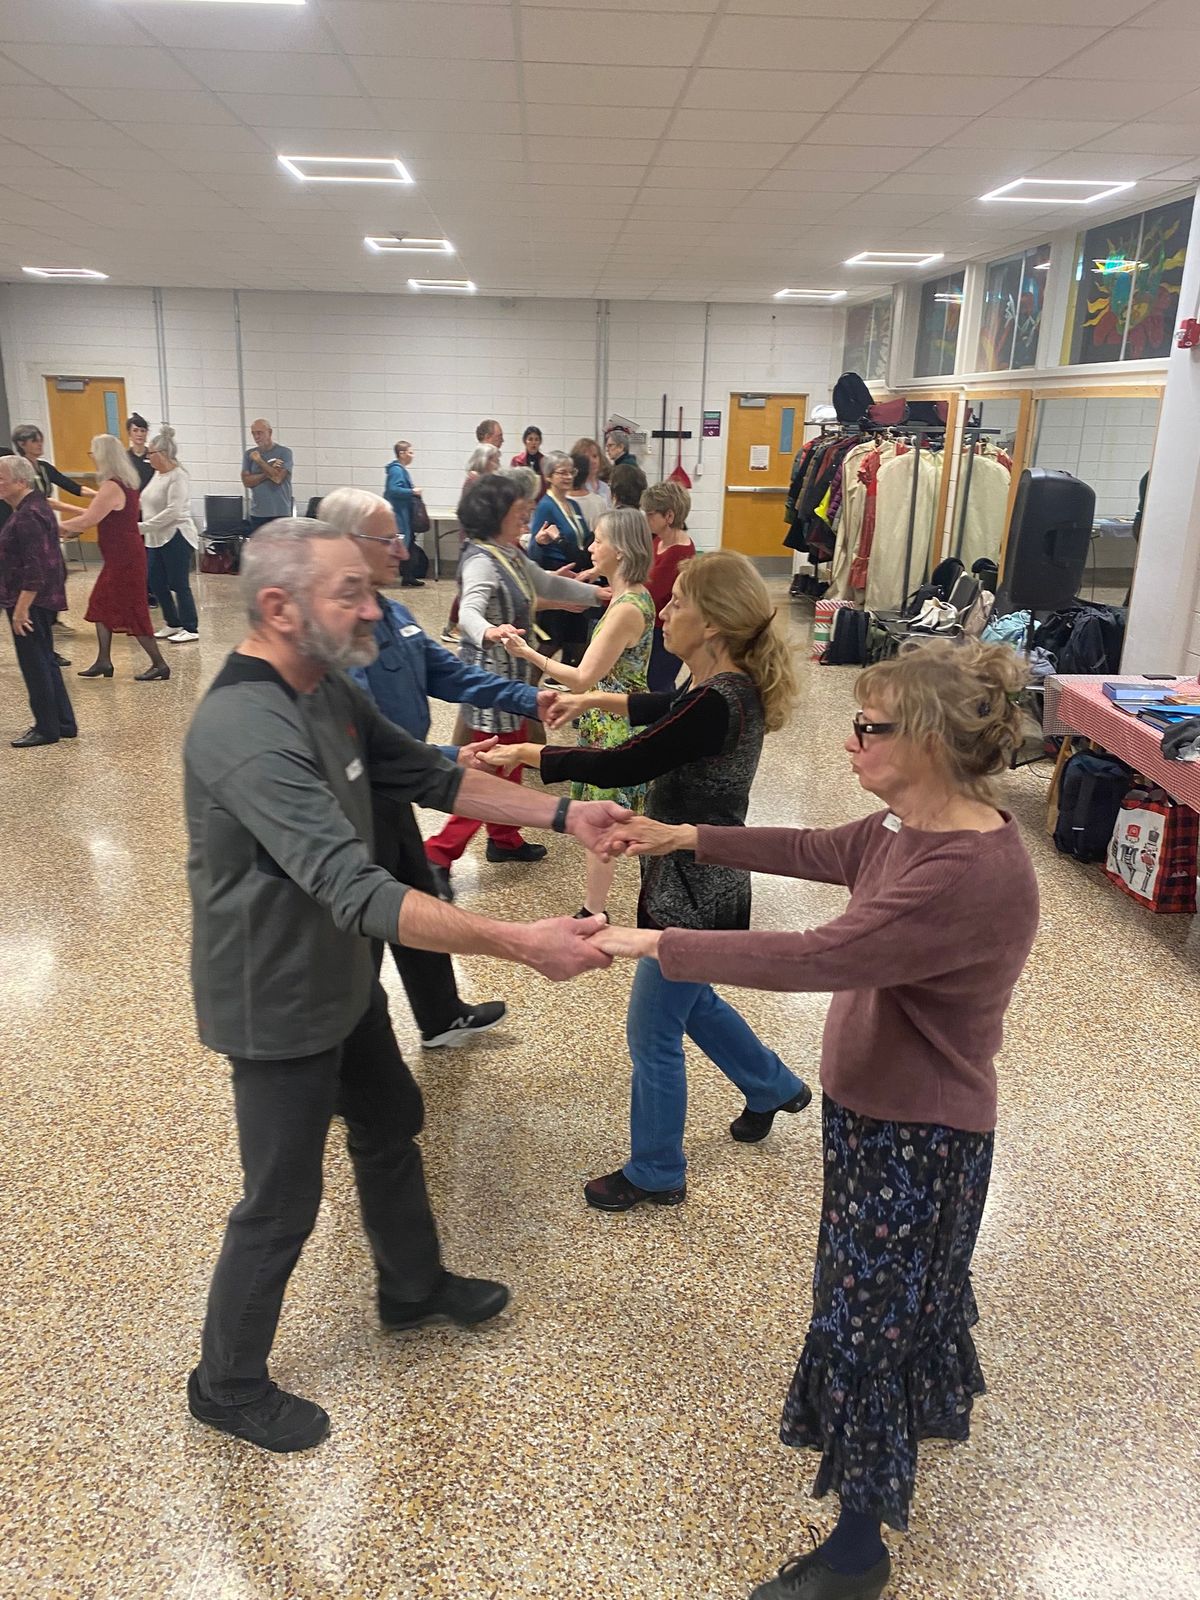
{"x":79,"y":409}
{"x":765,"y":431}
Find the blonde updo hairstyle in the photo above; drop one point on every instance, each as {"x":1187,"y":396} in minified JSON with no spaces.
{"x":961,"y":701}
{"x":729,"y":594}
{"x":163,"y":443}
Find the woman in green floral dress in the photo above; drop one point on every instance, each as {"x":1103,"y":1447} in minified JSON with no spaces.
{"x":615,"y":662}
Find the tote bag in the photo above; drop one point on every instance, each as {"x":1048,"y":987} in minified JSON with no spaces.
{"x":1152,"y":855}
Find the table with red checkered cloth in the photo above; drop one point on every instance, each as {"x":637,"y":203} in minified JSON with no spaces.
{"x":1084,"y":708}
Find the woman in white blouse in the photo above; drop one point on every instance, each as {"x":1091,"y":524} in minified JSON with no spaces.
{"x":170,"y":533}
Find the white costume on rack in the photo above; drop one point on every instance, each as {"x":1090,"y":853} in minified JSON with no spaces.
{"x":885,"y":572}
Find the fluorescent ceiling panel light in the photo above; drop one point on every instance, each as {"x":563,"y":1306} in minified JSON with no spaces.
{"x":895,"y":258}
{"x":397,"y":244}
{"x":810,"y":294}
{"x":346,"y":169}
{"x":64,"y":272}
{"x":1066,"y":191}
{"x":442,"y":285}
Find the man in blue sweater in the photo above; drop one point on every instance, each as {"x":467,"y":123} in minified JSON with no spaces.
{"x":410,"y":669}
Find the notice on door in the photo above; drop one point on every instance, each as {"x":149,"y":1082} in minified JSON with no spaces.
{"x":760,"y":457}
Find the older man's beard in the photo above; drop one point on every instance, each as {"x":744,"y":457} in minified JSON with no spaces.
{"x":359,"y":650}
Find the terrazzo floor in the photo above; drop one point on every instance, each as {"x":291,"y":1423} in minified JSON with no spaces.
{"x":614,"y":1432}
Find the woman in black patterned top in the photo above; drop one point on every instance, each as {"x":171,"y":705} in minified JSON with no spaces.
{"x":699,"y":753}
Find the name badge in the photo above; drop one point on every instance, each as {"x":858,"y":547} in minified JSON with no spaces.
{"x":892,"y":823}
{"x":407,"y":633}
{"x":354,"y":770}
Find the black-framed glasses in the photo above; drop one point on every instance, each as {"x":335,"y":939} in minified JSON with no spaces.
{"x":862,"y":728}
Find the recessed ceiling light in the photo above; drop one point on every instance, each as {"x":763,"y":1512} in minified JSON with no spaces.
{"x":63,"y":272}
{"x":402,"y":244}
{"x":444,"y":285}
{"x":810,"y":294}
{"x":1068,"y":191}
{"x":895,"y":258}
{"x":347,"y":169}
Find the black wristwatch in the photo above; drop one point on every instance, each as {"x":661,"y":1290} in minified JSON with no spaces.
{"x":559,"y":825}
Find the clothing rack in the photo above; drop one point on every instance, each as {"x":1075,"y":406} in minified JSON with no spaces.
{"x":923,"y":434}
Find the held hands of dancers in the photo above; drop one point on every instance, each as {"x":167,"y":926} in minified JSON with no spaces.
{"x":642,"y":836}
{"x":547,"y":534}
{"x":473,"y":755}
{"x":505,"y":757}
{"x":563,"y":947}
{"x":563,"y":708}
{"x":502,"y":633}
{"x":632,"y":943}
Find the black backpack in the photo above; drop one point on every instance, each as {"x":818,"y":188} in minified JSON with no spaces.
{"x":1083,"y":637}
{"x":851,"y":398}
{"x":1093,"y":787}
{"x":847,"y":645}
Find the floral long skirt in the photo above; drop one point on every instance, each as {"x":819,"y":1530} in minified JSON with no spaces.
{"x":889,"y":1358}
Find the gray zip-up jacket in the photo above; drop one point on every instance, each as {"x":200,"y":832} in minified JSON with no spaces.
{"x":285,"y":892}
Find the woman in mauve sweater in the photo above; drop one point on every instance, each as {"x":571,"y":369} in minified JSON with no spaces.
{"x":922,"y":965}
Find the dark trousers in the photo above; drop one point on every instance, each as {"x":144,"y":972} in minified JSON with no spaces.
{"x":284,"y":1109}
{"x":663,"y":667}
{"x":48,"y":699}
{"x":170,"y":565}
{"x":427,"y":975}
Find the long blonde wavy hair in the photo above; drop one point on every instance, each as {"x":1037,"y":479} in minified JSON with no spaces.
{"x":730,"y":595}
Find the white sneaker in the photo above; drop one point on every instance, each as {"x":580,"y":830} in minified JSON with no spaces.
{"x":164,"y":633}
{"x":182,"y":636}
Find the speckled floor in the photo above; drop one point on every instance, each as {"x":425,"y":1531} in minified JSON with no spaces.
{"x":614,"y":1433}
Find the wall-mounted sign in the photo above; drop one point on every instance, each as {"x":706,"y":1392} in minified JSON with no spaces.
{"x":712,"y":425}
{"x":752,"y":402}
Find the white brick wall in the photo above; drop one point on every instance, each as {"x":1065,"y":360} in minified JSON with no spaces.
{"x":342,"y":377}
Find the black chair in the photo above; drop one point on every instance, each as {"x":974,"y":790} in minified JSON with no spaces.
{"x":224,"y":514}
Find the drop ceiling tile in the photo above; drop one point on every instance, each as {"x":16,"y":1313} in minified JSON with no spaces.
{"x":743,"y":127}
{"x":1089,"y":13}
{"x":850,"y":158}
{"x":419,"y":81}
{"x":36,"y":103}
{"x":1168,"y":14}
{"x":11,"y":73}
{"x":175,"y":142}
{"x":1182,"y":172}
{"x":572,"y":37}
{"x":435,"y":28}
{"x":863,"y":128}
{"x":797,"y":181}
{"x":229,"y":28}
{"x":1006,"y":133}
{"x":1150,"y":138}
{"x":1120,"y":166}
{"x":713,"y":153}
{"x":881,"y":9}
{"x":263,"y":72}
{"x":597,"y":122}
{"x":911,"y":93}
{"x":1064,"y":97}
{"x":745,"y":89}
{"x":814,"y":45}
{"x":987,"y":48}
{"x":1186,"y":109}
{"x":1133,"y":53}
{"x":312,"y":112}
{"x":34,"y":22}
{"x":602,"y":85}
{"x":69,"y":66}
{"x":191,"y":111}
{"x":992,"y":167}
{"x":931,"y":183}
{"x":63,"y":141}
{"x":544,"y":147}
{"x":703,"y":177}
{"x":403,"y":118}
{"x":589,"y":176}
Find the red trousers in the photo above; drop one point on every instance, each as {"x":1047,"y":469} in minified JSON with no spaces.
{"x":449,"y":844}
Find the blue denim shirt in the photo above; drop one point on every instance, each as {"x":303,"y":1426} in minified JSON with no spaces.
{"x":411,"y":668}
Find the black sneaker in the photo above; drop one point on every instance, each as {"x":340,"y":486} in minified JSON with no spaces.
{"x":809,"y":1578}
{"x":615,"y":1192}
{"x":279,"y":1421}
{"x":465,"y":1301}
{"x":441,"y":879}
{"x":467,"y":1025}
{"x":753,"y":1126}
{"x":583,"y":914}
{"x":523,"y":852}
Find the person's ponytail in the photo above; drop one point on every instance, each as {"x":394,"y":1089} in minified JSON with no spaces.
{"x":731,"y":596}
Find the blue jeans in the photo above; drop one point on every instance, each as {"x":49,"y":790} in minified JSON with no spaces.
{"x":660,"y":1013}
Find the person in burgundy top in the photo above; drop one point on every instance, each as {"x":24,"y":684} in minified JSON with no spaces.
{"x":32,"y":592}
{"x":922,"y":965}
{"x":532,"y":456}
{"x":667,"y":507}
{"x":118,"y":599}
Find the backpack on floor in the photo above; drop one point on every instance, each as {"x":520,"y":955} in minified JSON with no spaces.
{"x":847,"y":645}
{"x":1093,"y":788}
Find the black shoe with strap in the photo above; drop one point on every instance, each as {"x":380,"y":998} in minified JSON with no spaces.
{"x":467,"y":1025}
{"x":523,"y":852}
{"x":753,"y":1126}
{"x":810,"y":1577}
{"x":277,"y":1421}
{"x":464,"y":1301}
{"x":441,"y":880}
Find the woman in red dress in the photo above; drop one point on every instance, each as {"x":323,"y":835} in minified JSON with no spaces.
{"x":118,"y":601}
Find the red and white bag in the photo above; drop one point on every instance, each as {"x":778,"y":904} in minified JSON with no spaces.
{"x":1152,"y":853}
{"x":822,"y":631}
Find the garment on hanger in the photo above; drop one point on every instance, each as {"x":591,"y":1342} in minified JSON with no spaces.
{"x":891,"y":552}
{"x":987,"y":509}
{"x":850,"y":520}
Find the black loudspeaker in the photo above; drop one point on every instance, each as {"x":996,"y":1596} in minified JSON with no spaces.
{"x":314,"y":506}
{"x":1048,"y":540}
{"x":224,"y":513}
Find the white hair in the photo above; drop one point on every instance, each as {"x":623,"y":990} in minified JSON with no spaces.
{"x":163,"y":444}
{"x":347,"y":509}
{"x":525,"y":478}
{"x":19,"y":470}
{"x":112,"y":461}
{"x":481,"y":457}
{"x":279,"y":556}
